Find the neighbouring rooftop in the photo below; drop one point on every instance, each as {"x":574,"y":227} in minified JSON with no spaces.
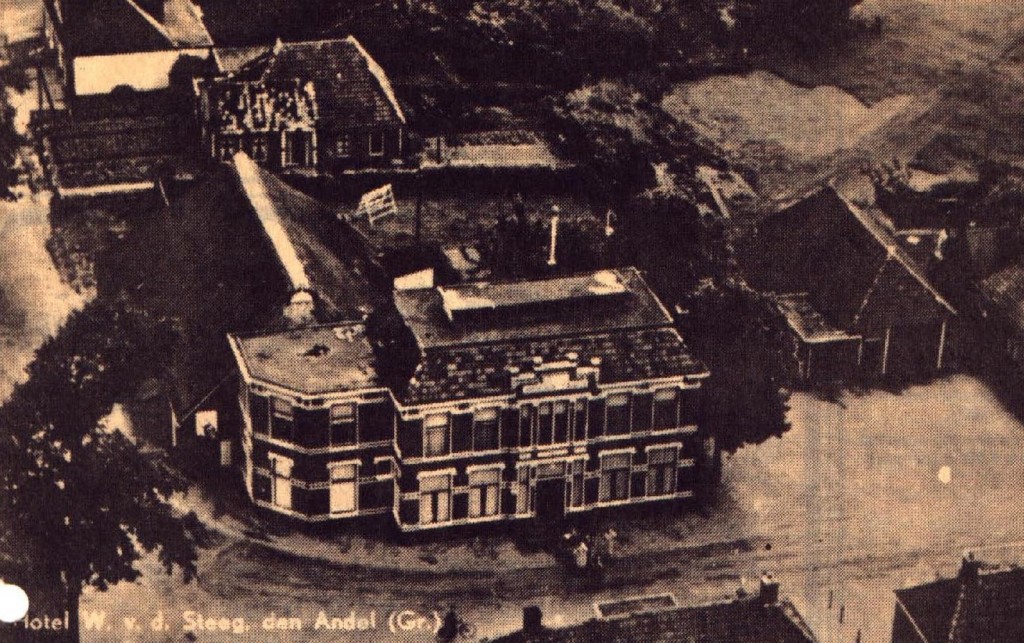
{"x":312,"y":360}
{"x":807,"y":322}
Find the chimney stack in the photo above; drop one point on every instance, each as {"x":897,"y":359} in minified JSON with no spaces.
{"x":970,"y":568}
{"x":769,"y":590}
{"x":533,"y":620}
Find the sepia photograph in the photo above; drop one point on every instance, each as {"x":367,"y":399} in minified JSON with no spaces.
{"x":512,"y":321}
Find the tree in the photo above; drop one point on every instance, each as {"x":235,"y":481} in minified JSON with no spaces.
{"x":735,"y":331}
{"x":10,"y":143}
{"x":80,"y":500}
{"x":806,"y":25}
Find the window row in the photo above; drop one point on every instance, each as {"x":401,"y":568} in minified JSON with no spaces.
{"x":340,"y":425}
{"x":558,"y":422}
{"x":483,"y":496}
{"x":343,"y":484}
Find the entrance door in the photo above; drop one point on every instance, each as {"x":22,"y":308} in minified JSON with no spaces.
{"x":550,"y":499}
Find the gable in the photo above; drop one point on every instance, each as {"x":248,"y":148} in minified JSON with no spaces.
{"x":898,"y":298}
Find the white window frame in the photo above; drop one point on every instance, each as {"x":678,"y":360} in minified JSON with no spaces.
{"x":482,"y":504}
{"x":440,"y":499}
{"x":673,"y":469}
{"x":348,"y":481}
{"x":437,"y":423}
{"x":334,"y":420}
{"x":605,"y":486}
{"x":281,"y":480}
{"x":496,"y":421}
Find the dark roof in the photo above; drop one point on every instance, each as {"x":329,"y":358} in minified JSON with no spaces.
{"x":352,"y":90}
{"x":105,"y":27}
{"x":988,"y":607}
{"x":852,"y":268}
{"x":481,"y":370}
{"x":807,"y":322}
{"x":611,"y":315}
{"x":635,"y":306}
{"x":313,"y":360}
{"x":740,"y":621}
{"x":1005,"y":291}
{"x":208,"y":264}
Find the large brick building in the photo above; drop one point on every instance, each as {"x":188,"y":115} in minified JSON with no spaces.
{"x":527,"y":399}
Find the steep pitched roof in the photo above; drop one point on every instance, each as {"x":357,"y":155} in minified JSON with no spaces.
{"x":739,"y":621}
{"x":211,"y":264}
{"x":987,"y":607}
{"x":1005,"y":291}
{"x":853,"y":270}
{"x":352,"y":90}
{"x":105,"y":27}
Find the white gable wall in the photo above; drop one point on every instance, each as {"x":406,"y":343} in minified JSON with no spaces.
{"x":145,"y":71}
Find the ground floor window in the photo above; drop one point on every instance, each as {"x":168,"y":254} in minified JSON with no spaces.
{"x":523,"y":491}
{"x":376,"y":143}
{"x":483,"y":492}
{"x":661,"y":471}
{"x":228,"y":145}
{"x":281,"y":481}
{"x":343,"y":146}
{"x":344,"y":489}
{"x":615,"y":476}
{"x":576,"y":484}
{"x":435,"y":499}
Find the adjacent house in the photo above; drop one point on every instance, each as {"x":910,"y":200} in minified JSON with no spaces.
{"x":759,"y":618}
{"x":854,"y":300}
{"x":981,"y":604}
{"x":303,"y":106}
{"x":105,"y":44}
{"x":524,"y":399}
{"x":1002,"y":295}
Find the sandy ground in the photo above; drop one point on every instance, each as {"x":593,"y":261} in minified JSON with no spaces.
{"x":943,"y":78}
{"x":850,"y":501}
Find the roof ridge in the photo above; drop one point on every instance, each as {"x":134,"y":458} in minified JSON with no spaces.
{"x":153,"y":22}
{"x":604,"y":332}
{"x":379,"y":74}
{"x":892,"y":248}
{"x":270,"y":221}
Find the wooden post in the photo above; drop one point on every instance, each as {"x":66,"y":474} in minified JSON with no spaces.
{"x":552,"y":256}
{"x":885,"y":350}
{"x":942,"y":344}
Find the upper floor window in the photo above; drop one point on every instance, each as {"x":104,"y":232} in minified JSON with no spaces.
{"x":485,"y":430}
{"x":435,"y":435}
{"x":376,"y":143}
{"x":282,"y":422}
{"x":525,"y":426}
{"x":544,"y":423}
{"x":617,"y":414}
{"x":666,"y":408}
{"x":560,"y":415}
{"x":343,"y":424}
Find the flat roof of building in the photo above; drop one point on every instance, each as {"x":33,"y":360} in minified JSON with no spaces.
{"x":601,"y":301}
{"x":314,"y":360}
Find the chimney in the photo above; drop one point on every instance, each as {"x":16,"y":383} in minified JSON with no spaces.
{"x":299,"y":310}
{"x":970,"y":568}
{"x":769,"y":594}
{"x":533,"y":620}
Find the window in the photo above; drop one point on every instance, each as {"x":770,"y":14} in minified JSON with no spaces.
{"x":229,"y":145}
{"x":282,"y":420}
{"x":560,"y":412}
{"x":580,"y":424}
{"x":523,"y":490}
{"x":615,"y":476}
{"x":206,"y":424}
{"x":576,"y":484}
{"x":617,"y":412}
{"x":376,"y":143}
{"x":343,"y":146}
{"x":661,"y":471}
{"x":525,"y":426}
{"x":435,"y":435}
{"x":544,"y":425}
{"x":343,"y":488}
{"x":298,"y":148}
{"x":258,"y":148}
{"x":281,"y":481}
{"x":435,"y":499}
{"x":483,"y":492}
{"x":259,"y":412}
{"x":666,"y":414}
{"x":343,"y":424}
{"x":485,"y":430}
